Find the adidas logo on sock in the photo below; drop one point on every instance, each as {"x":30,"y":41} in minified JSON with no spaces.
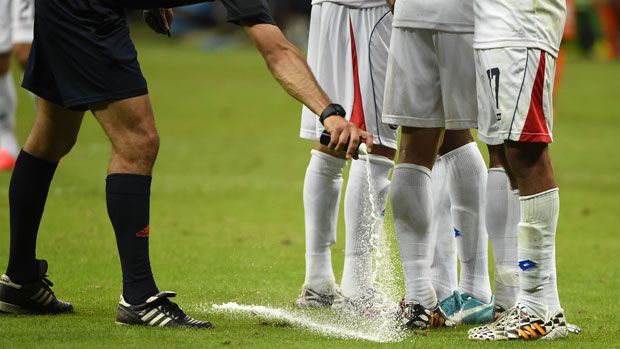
{"x":144,"y":233}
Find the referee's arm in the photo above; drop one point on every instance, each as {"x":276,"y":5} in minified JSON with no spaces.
{"x":289,"y":67}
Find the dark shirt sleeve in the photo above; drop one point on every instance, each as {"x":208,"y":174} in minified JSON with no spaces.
{"x":248,"y":12}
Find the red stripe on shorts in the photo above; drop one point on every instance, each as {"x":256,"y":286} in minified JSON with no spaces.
{"x":535,"y":128}
{"x":357,"y":114}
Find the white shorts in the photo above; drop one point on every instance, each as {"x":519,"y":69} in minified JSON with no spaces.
{"x":347,"y":52}
{"x":16,"y":23}
{"x":515,"y":95}
{"x":431,"y":80}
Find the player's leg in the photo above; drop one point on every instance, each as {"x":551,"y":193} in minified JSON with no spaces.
{"x":362,"y":224}
{"x":322,"y":190}
{"x":53,"y":135}
{"x":130,"y":126}
{"x":466,"y":178}
{"x":411,"y":198}
{"x":502,"y":219}
{"x":444,"y":274}
{"x":370,"y":37}
{"x":466,"y":174}
{"x":8,"y":107}
{"x":413,"y":101}
{"x":323,"y":178}
{"x":17,"y":22}
{"x":8,"y":96}
{"x":539,"y":195}
{"x":528,"y":158}
{"x":527,"y":134}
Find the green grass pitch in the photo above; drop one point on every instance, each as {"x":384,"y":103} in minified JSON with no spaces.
{"x":227,"y":219}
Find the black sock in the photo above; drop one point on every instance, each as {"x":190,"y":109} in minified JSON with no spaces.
{"x":128,"y":198}
{"x":30,"y":183}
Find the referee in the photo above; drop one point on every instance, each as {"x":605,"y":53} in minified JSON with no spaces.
{"x":83,"y":59}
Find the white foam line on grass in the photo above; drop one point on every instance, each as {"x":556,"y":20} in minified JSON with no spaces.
{"x":326,"y":328}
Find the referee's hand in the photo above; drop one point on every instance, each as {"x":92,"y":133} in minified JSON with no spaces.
{"x":343,"y":133}
{"x":159,"y":20}
{"x":390,"y":4}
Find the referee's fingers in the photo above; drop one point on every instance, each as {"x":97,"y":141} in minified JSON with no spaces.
{"x":354,"y":141}
{"x":369,"y":140}
{"x":343,"y":139}
{"x":333,"y":142}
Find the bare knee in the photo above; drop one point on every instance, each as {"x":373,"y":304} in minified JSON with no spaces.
{"x":530,"y":164}
{"x":150,"y":143}
{"x":496,"y":153}
{"x":454,"y":139}
{"x":137,"y":152}
{"x":419,"y":146}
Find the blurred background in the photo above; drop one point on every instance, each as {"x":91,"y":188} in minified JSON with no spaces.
{"x":227,"y":208}
{"x":593,"y":26}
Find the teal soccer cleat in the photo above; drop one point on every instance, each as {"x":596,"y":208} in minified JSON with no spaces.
{"x":461,"y":308}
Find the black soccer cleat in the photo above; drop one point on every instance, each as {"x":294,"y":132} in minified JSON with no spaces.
{"x":157,"y":311}
{"x":413,"y":316}
{"x":36,"y":298}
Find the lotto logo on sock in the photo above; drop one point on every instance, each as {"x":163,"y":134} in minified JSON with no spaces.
{"x":144,"y":233}
{"x":457,"y":233}
{"x":527,"y":265}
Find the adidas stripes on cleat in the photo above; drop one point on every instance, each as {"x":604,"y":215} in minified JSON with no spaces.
{"x":36,"y":298}
{"x":515,"y":324}
{"x":413,"y":316}
{"x":157,"y":311}
{"x":325,"y":298}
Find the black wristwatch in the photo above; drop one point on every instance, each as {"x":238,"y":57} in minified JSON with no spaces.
{"x":332,"y":109}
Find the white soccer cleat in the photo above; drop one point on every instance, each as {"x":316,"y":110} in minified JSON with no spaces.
{"x":324,"y":298}
{"x":515,"y":324}
{"x":371,"y":303}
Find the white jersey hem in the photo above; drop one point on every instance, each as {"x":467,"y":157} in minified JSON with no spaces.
{"x":425,"y":122}
{"x":444,"y":27}
{"x":502,"y":43}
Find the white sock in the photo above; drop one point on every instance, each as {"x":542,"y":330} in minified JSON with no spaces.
{"x":443,"y":244}
{"x":359,"y":221}
{"x":539,"y":218}
{"x":466,"y":178}
{"x":8,"y":105}
{"x":502,"y":216}
{"x":322,"y":188}
{"x":553,"y":297}
{"x":410,"y":195}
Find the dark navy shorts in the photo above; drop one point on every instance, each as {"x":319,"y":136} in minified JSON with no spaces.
{"x":82,"y":54}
